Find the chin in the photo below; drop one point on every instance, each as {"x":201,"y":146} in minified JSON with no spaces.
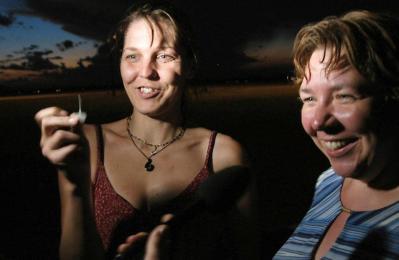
{"x":342,"y":168}
{"x":146,"y":110}
{"x":349,"y":169}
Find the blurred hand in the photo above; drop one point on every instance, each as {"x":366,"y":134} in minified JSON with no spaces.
{"x":132,"y":243}
{"x":157,"y":244}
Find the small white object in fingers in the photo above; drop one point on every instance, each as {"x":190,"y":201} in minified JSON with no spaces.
{"x":82,"y":116}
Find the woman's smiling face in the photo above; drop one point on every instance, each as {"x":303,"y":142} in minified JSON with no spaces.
{"x":337,"y":115}
{"x":152,"y":68}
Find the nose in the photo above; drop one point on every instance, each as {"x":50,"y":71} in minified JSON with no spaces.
{"x":147,"y":70}
{"x":323,"y":117}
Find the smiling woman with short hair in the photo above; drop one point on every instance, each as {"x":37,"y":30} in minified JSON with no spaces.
{"x":348,"y":71}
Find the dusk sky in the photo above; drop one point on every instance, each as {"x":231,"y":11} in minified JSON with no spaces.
{"x":27,"y":41}
{"x":54,"y":43}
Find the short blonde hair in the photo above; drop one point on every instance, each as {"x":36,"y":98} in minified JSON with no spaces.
{"x":365,"y":40}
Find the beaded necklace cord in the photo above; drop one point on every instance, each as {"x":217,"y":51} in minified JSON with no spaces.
{"x":149,"y":166}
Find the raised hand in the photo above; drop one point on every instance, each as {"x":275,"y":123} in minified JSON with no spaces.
{"x":62,"y":141}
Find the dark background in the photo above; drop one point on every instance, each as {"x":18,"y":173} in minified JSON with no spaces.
{"x":249,"y":98}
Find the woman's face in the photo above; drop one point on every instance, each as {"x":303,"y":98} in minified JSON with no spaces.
{"x":152,"y":69}
{"x":337,"y":115}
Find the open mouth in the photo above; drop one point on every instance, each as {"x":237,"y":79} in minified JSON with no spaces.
{"x":337,"y":144}
{"x":147,"y":90}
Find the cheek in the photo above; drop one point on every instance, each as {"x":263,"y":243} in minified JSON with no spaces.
{"x":356,"y":117}
{"x":127,"y":73}
{"x":174,"y":93}
{"x":173,"y":83}
{"x":353,"y":120}
{"x":172,"y":74}
{"x":306,"y":120}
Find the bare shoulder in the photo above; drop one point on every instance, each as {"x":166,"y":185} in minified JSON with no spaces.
{"x":89,"y":131}
{"x":198,"y":134}
{"x":108,"y":130}
{"x":114,"y":130}
{"x":227,"y":151}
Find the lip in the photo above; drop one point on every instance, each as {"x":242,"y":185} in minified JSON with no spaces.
{"x":147,"y":92}
{"x":338,"y":147}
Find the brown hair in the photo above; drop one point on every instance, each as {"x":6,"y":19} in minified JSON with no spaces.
{"x":158,"y":12}
{"x":365,"y":40}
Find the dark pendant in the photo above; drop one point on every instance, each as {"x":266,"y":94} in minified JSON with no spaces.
{"x":149,"y":166}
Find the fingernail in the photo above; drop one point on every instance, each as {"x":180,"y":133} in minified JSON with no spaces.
{"x":73,"y":118}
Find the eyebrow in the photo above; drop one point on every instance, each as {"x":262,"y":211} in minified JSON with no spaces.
{"x":129,"y":49}
{"x":338,"y":87}
{"x":307,"y":90}
{"x":162,"y":47}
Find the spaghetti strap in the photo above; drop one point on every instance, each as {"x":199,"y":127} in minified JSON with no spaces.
{"x":208,"y":160}
{"x":100,"y":145}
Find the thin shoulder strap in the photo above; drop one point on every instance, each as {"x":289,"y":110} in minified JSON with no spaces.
{"x":209,"y":152}
{"x":100,"y":144}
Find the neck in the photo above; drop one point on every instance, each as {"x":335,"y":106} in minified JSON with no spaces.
{"x":360,"y":196}
{"x":377,"y":185}
{"x":152,"y":130}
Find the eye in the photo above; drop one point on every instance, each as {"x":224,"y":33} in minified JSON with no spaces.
{"x":132,"y":58}
{"x":164,"y":58}
{"x":345,"y":98}
{"x":307,"y":99}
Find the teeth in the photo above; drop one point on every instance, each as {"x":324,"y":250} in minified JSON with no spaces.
{"x":334,"y":145}
{"x":146,"y":90}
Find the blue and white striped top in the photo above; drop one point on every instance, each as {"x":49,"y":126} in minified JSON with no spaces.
{"x":366,"y":235}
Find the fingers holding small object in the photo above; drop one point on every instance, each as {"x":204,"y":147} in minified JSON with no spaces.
{"x":56,"y":126}
{"x":61,"y":134}
{"x":58,"y":147}
{"x":49,"y":111}
{"x":81,"y":116}
{"x":54,"y":115}
{"x":50,"y":124}
{"x":60,"y":156}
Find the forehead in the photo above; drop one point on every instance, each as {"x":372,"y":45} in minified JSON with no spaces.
{"x":147,"y":32}
{"x":318,"y":74}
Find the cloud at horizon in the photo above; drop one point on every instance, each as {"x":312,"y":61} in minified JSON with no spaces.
{"x":236,"y":40}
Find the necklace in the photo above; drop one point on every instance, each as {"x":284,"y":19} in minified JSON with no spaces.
{"x":149,"y":166}
{"x":346,"y":209}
